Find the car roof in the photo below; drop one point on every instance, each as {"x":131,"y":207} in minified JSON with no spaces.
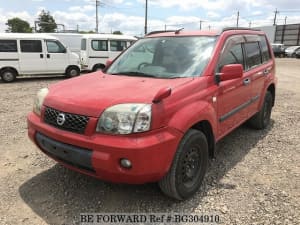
{"x":26,"y":36}
{"x":109,"y":36}
{"x":229,"y":30}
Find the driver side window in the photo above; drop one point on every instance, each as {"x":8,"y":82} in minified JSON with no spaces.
{"x":232,"y":55}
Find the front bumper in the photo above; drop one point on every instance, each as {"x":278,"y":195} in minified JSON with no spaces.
{"x":98,"y":155}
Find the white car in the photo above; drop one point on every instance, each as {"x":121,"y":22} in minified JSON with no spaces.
{"x":291,"y":51}
{"x":35,"y":54}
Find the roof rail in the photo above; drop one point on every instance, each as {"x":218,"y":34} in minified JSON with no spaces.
{"x":159,"y":31}
{"x":238,"y":28}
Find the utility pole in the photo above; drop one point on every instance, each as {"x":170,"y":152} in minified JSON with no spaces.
{"x":285,"y":20}
{"x":200,"y":27}
{"x":276,"y":12}
{"x":165,"y":27}
{"x":146,"y":16}
{"x":97,"y":21}
{"x":237,"y":18}
{"x":250,"y":24}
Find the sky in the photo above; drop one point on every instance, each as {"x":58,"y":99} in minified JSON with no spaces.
{"x":128,"y":16}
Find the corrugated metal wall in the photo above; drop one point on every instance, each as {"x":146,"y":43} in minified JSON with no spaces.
{"x":289,"y":34}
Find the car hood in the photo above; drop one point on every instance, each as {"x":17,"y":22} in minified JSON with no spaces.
{"x":91,"y":94}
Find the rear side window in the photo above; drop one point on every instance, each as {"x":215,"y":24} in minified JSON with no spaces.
{"x":8,"y":46}
{"x":117,"y":46}
{"x":253,"y":55}
{"x":264,"y":49}
{"x":83,"y":44}
{"x":31,"y":46}
{"x":99,"y":45}
{"x":233,"y":55}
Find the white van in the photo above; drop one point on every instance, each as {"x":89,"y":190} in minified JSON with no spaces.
{"x":71,"y":40}
{"x":32,"y":54}
{"x":97,"y":48}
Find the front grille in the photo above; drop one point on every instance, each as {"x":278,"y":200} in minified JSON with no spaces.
{"x":73,"y":122}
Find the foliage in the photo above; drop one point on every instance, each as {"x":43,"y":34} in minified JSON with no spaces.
{"x":46,"y":22}
{"x":17,"y":25}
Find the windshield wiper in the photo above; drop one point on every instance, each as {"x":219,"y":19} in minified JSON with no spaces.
{"x":134,"y":74}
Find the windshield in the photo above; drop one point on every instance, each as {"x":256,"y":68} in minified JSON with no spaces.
{"x":165,"y":57}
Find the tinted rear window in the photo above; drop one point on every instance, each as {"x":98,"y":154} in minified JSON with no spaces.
{"x":31,"y":45}
{"x":253,"y":55}
{"x":83,"y":44}
{"x":264,"y":49}
{"x":8,"y":46}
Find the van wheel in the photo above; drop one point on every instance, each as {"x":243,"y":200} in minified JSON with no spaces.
{"x":8,"y":75}
{"x":188,"y":167}
{"x":73,"y":71}
{"x":98,"y":67}
{"x":262,"y":118}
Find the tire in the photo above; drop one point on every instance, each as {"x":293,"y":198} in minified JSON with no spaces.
{"x":73,"y":71}
{"x":8,"y":75}
{"x":188,"y":167}
{"x":262,"y":118}
{"x":98,"y":67}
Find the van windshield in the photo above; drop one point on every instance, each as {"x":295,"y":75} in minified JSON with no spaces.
{"x":165,"y":57}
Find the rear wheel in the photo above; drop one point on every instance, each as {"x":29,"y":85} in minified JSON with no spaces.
{"x":8,"y":75}
{"x":188,"y":167}
{"x":98,"y":67}
{"x":73,"y":71}
{"x":262,"y":119}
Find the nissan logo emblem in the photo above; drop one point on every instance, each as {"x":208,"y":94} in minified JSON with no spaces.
{"x":61,"y":118}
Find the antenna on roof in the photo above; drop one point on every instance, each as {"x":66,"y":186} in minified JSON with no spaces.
{"x":178,"y":31}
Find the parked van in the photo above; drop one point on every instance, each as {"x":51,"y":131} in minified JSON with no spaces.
{"x":71,"y":40}
{"x":32,"y":54}
{"x":97,"y":48}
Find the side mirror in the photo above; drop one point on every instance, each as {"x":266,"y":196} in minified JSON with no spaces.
{"x":231,"y":71}
{"x":108,"y":63}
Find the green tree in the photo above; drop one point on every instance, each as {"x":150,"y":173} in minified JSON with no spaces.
{"x":46,"y":22}
{"x":117,"y":32}
{"x":17,"y":25}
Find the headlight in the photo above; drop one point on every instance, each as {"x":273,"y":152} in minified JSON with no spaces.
{"x":39,"y":99}
{"x":125,"y":119}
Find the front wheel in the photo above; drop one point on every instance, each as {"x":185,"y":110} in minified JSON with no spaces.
{"x":188,"y":167}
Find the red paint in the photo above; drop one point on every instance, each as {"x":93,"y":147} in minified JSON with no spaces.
{"x":179,"y":104}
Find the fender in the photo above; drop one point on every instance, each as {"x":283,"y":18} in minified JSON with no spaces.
{"x":269,"y":82}
{"x":193,"y":113}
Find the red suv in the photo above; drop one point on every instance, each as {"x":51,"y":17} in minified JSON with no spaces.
{"x":155,"y":113}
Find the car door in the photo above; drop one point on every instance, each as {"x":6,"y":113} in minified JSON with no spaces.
{"x":258,"y":67}
{"x":57,"y":57}
{"x":31,"y":57}
{"x":233,"y":95}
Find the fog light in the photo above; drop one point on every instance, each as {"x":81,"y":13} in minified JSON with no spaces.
{"x":125,"y":163}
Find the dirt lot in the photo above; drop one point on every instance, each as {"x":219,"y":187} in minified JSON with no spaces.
{"x":255,"y":178}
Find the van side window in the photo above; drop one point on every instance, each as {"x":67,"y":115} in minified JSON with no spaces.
{"x":117,"y":46}
{"x":8,"y":46}
{"x":233,"y":55}
{"x":253,"y":55}
{"x":55,"y":47}
{"x":264,"y":49}
{"x":83,"y":44}
{"x":31,"y":46}
{"x":99,"y":45}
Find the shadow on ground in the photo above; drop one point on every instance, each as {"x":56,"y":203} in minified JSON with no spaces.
{"x":59,"y":195}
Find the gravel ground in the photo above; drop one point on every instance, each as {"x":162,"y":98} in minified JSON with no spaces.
{"x":255,"y":178}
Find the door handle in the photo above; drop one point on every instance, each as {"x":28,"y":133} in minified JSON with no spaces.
{"x":246,"y":81}
{"x":48,"y":56}
{"x":41,"y":56}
